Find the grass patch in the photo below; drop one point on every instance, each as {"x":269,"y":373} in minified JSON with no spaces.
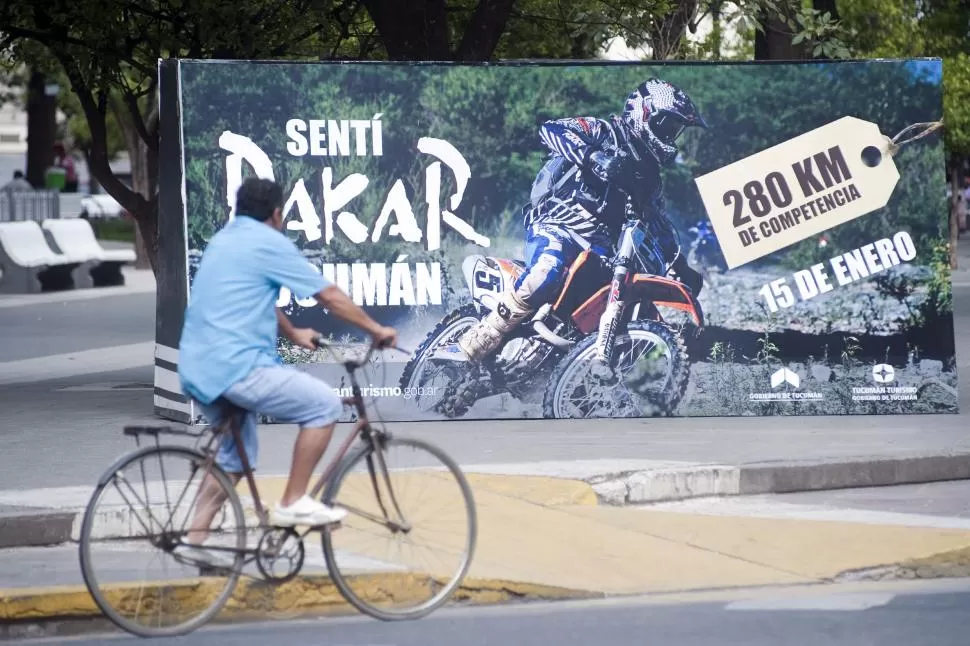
{"x":115,"y":229}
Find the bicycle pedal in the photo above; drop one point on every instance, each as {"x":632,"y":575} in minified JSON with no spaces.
{"x":327,"y":526}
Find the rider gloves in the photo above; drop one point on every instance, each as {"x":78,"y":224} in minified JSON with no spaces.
{"x":609,"y":167}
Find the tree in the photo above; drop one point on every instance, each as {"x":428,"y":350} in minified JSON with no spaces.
{"x":108,"y":49}
{"x":916,"y":28}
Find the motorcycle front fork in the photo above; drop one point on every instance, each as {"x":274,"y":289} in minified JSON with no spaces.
{"x":610,"y":320}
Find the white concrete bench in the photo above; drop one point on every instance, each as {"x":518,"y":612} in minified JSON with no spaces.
{"x":75,"y":239}
{"x":27,"y":263}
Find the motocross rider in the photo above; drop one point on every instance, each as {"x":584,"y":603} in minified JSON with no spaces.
{"x":573,"y":209}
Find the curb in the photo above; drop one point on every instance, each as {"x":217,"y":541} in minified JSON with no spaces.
{"x":46,"y":527}
{"x":57,"y":611}
{"x":944,"y":565}
{"x":681,"y":483}
{"x":36,"y":527}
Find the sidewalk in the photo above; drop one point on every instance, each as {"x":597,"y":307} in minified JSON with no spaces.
{"x":545,"y":536}
{"x":137,"y":281}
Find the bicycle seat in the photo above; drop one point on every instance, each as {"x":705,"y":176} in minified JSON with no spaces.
{"x":228,"y":407}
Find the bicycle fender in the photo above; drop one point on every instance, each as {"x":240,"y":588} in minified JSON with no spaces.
{"x":131,"y":455}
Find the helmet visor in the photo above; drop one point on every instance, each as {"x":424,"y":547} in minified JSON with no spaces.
{"x":666,"y":127}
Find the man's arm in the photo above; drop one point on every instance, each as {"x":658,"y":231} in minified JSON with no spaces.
{"x":287,"y":267}
{"x":575,"y":138}
{"x":286,"y":327}
{"x":340,"y":305}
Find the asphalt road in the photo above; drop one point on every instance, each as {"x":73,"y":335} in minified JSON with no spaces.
{"x":73,"y":426}
{"x":913,"y":614}
{"x":945,"y":499}
{"x":69,"y":326}
{"x":76,"y":433}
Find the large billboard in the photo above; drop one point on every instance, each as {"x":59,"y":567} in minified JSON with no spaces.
{"x":593,"y":239}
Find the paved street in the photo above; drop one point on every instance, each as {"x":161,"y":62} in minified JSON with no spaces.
{"x":92,"y":408}
{"x":93,"y":419}
{"x":69,"y":326}
{"x":937,"y":504}
{"x":900,"y":614}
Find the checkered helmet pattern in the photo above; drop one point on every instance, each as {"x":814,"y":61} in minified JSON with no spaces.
{"x":656,"y":113}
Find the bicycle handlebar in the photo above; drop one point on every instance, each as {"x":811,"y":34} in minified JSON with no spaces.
{"x":321,"y":342}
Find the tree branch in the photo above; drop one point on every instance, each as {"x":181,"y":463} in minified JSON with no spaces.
{"x":485,"y":30}
{"x":282,"y":48}
{"x":44,"y":38}
{"x":131,"y":102}
{"x":94,"y":112}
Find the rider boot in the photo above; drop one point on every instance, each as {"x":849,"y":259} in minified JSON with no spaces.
{"x":482,"y":338}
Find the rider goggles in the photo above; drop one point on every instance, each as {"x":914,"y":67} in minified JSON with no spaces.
{"x":666,"y":126}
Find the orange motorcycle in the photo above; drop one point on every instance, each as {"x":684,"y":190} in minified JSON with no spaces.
{"x":601,"y":349}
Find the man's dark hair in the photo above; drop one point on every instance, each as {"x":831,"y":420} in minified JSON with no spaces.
{"x":258,"y":198}
{"x":17,"y":174}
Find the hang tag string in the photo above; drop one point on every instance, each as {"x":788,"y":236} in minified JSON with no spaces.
{"x":927,"y":128}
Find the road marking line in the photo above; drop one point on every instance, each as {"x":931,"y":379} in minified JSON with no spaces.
{"x":843,"y":602}
{"x":758,"y":507}
{"x":71,"y":364}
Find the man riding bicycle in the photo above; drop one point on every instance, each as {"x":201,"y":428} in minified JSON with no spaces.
{"x":228,"y":350}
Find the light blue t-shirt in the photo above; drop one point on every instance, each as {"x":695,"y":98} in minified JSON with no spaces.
{"x":230,"y":324}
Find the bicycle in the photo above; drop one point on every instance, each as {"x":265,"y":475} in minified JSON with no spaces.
{"x":277,"y":546}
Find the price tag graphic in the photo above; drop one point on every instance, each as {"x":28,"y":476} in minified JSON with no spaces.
{"x":798,"y":188}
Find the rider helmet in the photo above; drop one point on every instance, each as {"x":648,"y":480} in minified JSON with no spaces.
{"x":656,"y":113}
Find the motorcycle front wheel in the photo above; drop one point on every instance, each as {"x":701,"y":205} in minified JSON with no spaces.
{"x":650,"y":373}
{"x":425,"y":383}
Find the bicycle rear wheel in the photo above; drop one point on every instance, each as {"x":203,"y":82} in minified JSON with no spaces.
{"x":138,"y":515}
{"x":392,"y":584}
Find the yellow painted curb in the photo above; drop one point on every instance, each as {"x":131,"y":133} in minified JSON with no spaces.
{"x":313,"y":594}
{"x":546,"y":491}
{"x":540,"y":490}
{"x":956,"y":562}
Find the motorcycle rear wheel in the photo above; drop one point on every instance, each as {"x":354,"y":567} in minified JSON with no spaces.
{"x":573,"y":392}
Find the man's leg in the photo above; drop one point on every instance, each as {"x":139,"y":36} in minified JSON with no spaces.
{"x":309,"y":447}
{"x":211,"y":494}
{"x":546,"y":260}
{"x":289,"y":395}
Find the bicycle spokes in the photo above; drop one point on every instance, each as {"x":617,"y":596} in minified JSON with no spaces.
{"x":135,"y":532}
{"x":421,"y":549}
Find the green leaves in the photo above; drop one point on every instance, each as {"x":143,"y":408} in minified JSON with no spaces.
{"x":918,"y":28}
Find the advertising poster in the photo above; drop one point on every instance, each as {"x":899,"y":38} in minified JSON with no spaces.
{"x":592,"y":240}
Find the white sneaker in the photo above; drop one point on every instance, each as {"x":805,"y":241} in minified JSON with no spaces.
{"x":199,"y":553}
{"x":306,"y":511}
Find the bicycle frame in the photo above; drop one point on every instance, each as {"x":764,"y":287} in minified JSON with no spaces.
{"x":362,"y":430}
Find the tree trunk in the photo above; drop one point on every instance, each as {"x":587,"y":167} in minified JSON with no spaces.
{"x":716,"y":37}
{"x":955,"y":166}
{"x":774,"y":43}
{"x":827,"y":5}
{"x":415,"y":30}
{"x":146,"y":224}
{"x":667,"y":33}
{"x":485,"y":30}
{"x":144,"y":176}
{"x":41,"y":129}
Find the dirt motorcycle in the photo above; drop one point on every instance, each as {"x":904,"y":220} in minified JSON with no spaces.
{"x":705,"y":252}
{"x":600,"y":349}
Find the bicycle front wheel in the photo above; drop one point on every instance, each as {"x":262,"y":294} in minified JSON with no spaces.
{"x":394,"y":557}
{"x":132,"y":535}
